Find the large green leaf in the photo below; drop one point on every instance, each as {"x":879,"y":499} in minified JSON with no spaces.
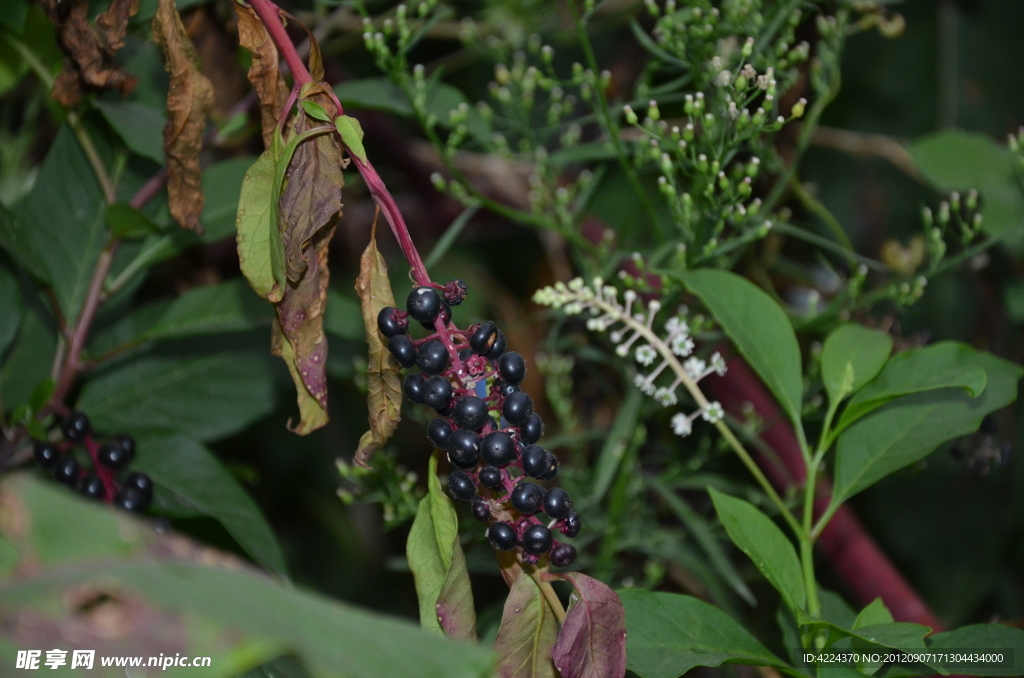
{"x":200,"y":395}
{"x":668,"y":634}
{"x":63,"y":218}
{"x":30,"y":356}
{"x":11,"y":308}
{"x":222,"y":184}
{"x":139,"y":125}
{"x":527,"y":634}
{"x":759,"y":328}
{"x":852,"y":356}
{"x":909,"y":428}
{"x":982,"y":638}
{"x":174,"y":597}
{"x":14,"y":239}
{"x":256,"y":227}
{"x":761,"y":539}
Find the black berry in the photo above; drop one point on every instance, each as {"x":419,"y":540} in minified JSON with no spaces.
{"x":571,"y":525}
{"x":423,"y":304}
{"x":437,"y":392}
{"x":66,"y":470}
{"x":412,"y":387}
{"x":563,"y":555}
{"x":112,"y":456}
{"x":502,"y":536}
{"x":75,"y":426}
{"x":401,"y":347}
{"x":557,"y":503}
{"x":126,"y":442}
{"x":455,"y":291}
{"x":132,"y":500}
{"x":390,"y":324}
{"x":499,"y":346}
{"x":481,"y":511}
{"x":517,"y":408}
{"x":45,"y":453}
{"x":445,"y":314}
{"x":504,"y":388}
{"x":527,"y":498}
{"x":490,"y":477}
{"x":440,"y":432}
{"x":532,"y":430}
{"x":463,"y":449}
{"x":91,"y":486}
{"x":537,"y":540}
{"x":484,"y":337}
{"x":552,"y":468}
{"x":536,"y":461}
{"x":470,"y":412}
{"x":461,"y":485}
{"x":432,"y":357}
{"x":512,"y":367}
{"x":139,"y":482}
{"x":497,"y":449}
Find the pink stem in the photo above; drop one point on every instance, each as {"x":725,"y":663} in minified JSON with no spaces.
{"x":106,"y":476}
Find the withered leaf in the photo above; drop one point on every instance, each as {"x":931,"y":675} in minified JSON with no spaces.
{"x":592,"y":641}
{"x":527,"y":633}
{"x":384,"y":389}
{"x":112,"y":24}
{"x":189,"y":99}
{"x":264,"y":73}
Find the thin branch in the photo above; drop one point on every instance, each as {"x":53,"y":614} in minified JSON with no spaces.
{"x":866,"y":144}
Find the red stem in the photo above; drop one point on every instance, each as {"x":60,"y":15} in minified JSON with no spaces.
{"x":105,"y":475}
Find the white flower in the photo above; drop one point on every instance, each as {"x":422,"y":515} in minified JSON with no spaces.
{"x":718,"y":363}
{"x":713,"y":413}
{"x":665,"y":396}
{"x":682,"y":345}
{"x":675,"y":325}
{"x":694,"y":367}
{"x":681,"y":425}
{"x":641,"y":382}
{"x":645,"y":355}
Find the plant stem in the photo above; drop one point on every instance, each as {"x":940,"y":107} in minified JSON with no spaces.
{"x":549,"y":594}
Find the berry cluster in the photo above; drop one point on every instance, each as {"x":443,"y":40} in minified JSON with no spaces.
{"x":487,"y":424}
{"x":132,"y":493}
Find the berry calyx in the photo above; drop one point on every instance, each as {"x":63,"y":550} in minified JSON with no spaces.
{"x":437,"y":392}
{"x":112,"y":456}
{"x":517,"y":408}
{"x":537,"y":540}
{"x":402,"y":348}
{"x":463,"y":449}
{"x":502,"y":536}
{"x":470,"y":413}
{"x":536,"y":461}
{"x":432,"y":357}
{"x":455,"y":292}
{"x":132,"y":500}
{"x":563,"y":555}
{"x":412,"y":387}
{"x":532,"y":430}
{"x":527,"y":498}
{"x":139,"y":482}
{"x":512,"y":367}
{"x":497,"y":449}
{"x":91,"y":486}
{"x":461,"y":485}
{"x":440,"y":432}
{"x":483,"y":338}
{"x":423,"y":304}
{"x":66,"y":470}
{"x":571,"y":525}
{"x":557,"y":503}
{"x":391,"y":322}
{"x":45,"y":453}
{"x":489,"y":477}
{"x":481,"y":511}
{"x":75,"y":426}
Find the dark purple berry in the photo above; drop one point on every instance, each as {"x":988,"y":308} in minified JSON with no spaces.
{"x":563,"y":555}
{"x":437,"y":392}
{"x":512,"y":367}
{"x":440,"y":432}
{"x":532,"y":430}
{"x":66,"y":470}
{"x":463,"y":449}
{"x":461,"y":485}
{"x":482,"y":340}
{"x":445,"y":314}
{"x":75,"y":426}
{"x":465,"y":354}
{"x":497,"y":449}
{"x":537,"y":540}
{"x":423,"y":304}
{"x":552,"y":471}
{"x":45,"y":453}
{"x":91,"y":486}
{"x":504,"y":388}
{"x":139,"y":482}
{"x":132,"y":500}
{"x":571,"y":525}
{"x":517,"y":408}
{"x":490,"y":477}
{"x":498,"y":348}
{"x":502,"y":536}
{"x":390,"y":323}
{"x":455,"y":291}
{"x":536,"y":461}
{"x":557,"y":503}
{"x":112,"y":456}
{"x":481,"y":511}
{"x":470,"y":412}
{"x":412,"y":387}
{"x":127,"y":444}
{"x":402,"y":348}
{"x":432,"y":357}
{"x":527,"y":498}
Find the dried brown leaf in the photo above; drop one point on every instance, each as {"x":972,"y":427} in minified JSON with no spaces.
{"x":384,"y":389}
{"x":112,"y":24}
{"x":189,"y":99}
{"x":265,"y":73}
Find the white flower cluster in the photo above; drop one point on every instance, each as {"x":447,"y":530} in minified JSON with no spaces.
{"x":636,"y":326}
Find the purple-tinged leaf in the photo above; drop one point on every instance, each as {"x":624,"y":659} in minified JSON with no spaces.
{"x":527,"y":634}
{"x":592,"y":642}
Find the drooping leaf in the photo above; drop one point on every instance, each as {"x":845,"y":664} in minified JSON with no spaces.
{"x":527,"y":634}
{"x":910,"y":427}
{"x":898,"y":635}
{"x":759,"y":328}
{"x":189,"y":99}
{"x":668,"y":634}
{"x":264,"y":73}
{"x":315,"y":110}
{"x":874,"y":613}
{"x":851,"y":357}
{"x":384,"y":389}
{"x":351,"y":134}
{"x":592,"y":640}
{"x":256,"y":226}
{"x":982,"y":638}
{"x":439,"y":566}
{"x":190,"y":471}
{"x":756,"y":535}
{"x":139,"y":125}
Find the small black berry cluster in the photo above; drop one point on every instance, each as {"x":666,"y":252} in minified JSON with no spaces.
{"x":133,"y":493}
{"x":490,"y":434}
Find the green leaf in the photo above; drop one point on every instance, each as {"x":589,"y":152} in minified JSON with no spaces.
{"x":909,"y":428}
{"x":259,"y":241}
{"x":191,"y":472}
{"x":982,"y":637}
{"x":343,"y":317}
{"x":30,"y":357}
{"x":351,"y":135}
{"x":668,"y":634}
{"x":874,"y":613}
{"x":200,"y":395}
{"x":898,"y":635}
{"x":756,"y":535}
{"x":15,"y":241}
{"x":13,"y":16}
{"x":954,"y":160}
{"x":139,"y":125}
{"x":314,"y":110}
{"x":947,"y":364}
{"x":124,"y":221}
{"x":759,"y":328}
{"x":852,"y":356}
{"x":63,"y":220}
{"x":380,"y":94}
{"x":11,"y":308}
{"x":527,"y":634}
{"x":439,"y":566}
{"x":222,"y":184}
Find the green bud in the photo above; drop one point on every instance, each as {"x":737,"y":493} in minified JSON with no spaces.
{"x":748,"y":48}
{"x":652,"y":110}
{"x":972,"y":199}
{"x":740,"y":83}
{"x":1014,"y":144}
{"x":798,"y":108}
{"x":943,"y":213}
{"x":630,"y":114}
{"x":926,"y":217}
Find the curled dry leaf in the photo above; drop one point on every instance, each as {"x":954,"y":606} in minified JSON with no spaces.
{"x":264,"y":73}
{"x":527,"y":633}
{"x":89,"y":52}
{"x":189,"y":99}
{"x":384,"y":388}
{"x":592,"y":642}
